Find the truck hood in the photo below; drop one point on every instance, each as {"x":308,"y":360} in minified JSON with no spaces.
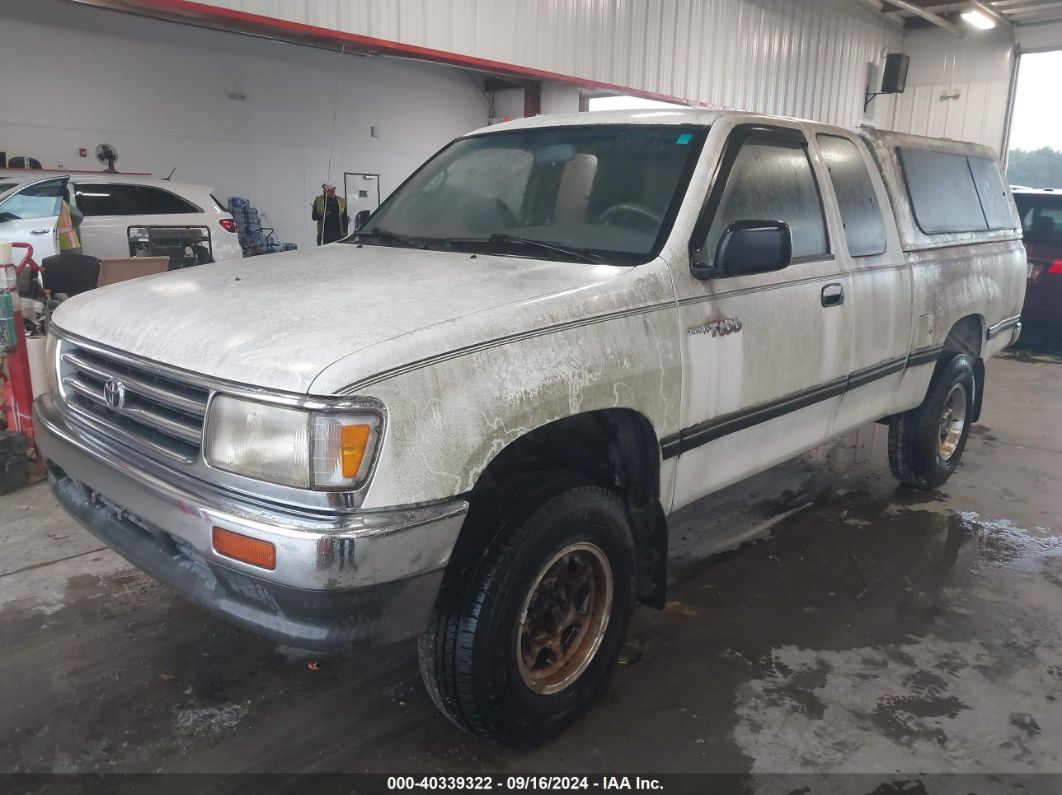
{"x":278,"y":321}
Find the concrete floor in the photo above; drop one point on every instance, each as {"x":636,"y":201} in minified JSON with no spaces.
{"x":868,"y":628}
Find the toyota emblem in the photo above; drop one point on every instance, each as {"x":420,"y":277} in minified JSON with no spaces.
{"x":114,"y":394}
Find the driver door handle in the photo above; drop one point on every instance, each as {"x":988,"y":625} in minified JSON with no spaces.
{"x":40,"y":231}
{"x":832,"y":295}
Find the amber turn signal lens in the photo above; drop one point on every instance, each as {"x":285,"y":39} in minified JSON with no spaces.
{"x":245,"y":549}
{"x":353,"y":440}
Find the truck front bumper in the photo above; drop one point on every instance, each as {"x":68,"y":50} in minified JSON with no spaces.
{"x":341,"y":579}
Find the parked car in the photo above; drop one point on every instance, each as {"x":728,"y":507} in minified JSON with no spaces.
{"x":554,"y":334}
{"x":1041,"y":223}
{"x":124,"y":216}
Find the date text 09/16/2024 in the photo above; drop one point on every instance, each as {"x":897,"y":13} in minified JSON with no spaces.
{"x":523,"y":783}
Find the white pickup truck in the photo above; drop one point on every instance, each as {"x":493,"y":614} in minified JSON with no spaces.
{"x":469,"y":421}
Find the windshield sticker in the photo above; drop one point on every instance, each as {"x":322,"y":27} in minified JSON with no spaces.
{"x":685,"y":138}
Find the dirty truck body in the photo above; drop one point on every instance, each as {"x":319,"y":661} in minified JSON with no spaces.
{"x":473,"y":436}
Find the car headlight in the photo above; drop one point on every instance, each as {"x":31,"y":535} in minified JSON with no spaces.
{"x":291,"y":446}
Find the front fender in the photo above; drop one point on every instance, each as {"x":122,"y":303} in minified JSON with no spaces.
{"x":447,"y":420}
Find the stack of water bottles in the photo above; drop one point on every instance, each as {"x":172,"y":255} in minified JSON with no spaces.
{"x":254,"y":238}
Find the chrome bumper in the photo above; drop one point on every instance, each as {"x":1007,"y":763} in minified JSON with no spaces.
{"x":340,"y":578}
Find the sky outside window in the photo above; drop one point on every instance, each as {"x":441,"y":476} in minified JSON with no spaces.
{"x":1035,"y":158}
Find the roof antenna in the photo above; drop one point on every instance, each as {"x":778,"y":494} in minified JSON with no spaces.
{"x":335,"y":107}
{"x":167,"y":177}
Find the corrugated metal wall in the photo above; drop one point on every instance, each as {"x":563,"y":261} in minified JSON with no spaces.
{"x":957,"y":88}
{"x":793,"y":57}
{"x":963,"y":111}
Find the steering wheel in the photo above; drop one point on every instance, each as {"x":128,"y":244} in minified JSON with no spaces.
{"x":638,"y":215}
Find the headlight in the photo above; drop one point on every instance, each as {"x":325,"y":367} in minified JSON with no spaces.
{"x":291,"y":446}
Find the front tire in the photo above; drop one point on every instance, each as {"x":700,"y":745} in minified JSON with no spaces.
{"x":926,"y":443}
{"x":521,"y":643}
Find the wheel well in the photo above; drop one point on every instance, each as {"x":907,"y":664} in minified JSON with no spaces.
{"x":614,"y":448}
{"x":968,"y":336}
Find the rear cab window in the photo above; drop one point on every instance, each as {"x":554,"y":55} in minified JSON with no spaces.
{"x":105,"y":199}
{"x":864,"y":228}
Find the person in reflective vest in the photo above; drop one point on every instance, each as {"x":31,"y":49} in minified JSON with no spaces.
{"x":66,"y":230}
{"x":330,"y":213}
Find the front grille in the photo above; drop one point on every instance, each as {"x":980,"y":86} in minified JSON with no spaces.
{"x":159,"y":412}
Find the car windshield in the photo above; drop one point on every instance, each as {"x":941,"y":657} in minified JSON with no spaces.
{"x":6,"y":186}
{"x":1041,"y":218}
{"x":595,"y":193}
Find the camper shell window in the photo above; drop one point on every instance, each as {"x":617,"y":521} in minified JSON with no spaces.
{"x":953,"y":192}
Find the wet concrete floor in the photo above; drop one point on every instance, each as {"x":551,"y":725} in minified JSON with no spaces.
{"x":865,"y":627}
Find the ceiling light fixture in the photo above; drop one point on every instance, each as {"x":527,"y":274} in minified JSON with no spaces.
{"x":975,"y":16}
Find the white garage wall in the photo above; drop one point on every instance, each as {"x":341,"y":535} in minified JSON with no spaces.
{"x":793,"y":57}
{"x":558,"y":98}
{"x":957,"y":88}
{"x":157,"y":91}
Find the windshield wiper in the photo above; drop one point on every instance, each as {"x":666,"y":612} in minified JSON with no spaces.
{"x":390,"y":238}
{"x":501,"y":238}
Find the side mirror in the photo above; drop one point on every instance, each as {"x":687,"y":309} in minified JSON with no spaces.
{"x":360,"y":218}
{"x":750,"y":247}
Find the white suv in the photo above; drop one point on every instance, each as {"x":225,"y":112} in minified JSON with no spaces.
{"x":123,"y":215}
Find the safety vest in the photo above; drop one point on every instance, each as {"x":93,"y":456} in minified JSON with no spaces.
{"x":319,"y":205}
{"x":65,"y":231}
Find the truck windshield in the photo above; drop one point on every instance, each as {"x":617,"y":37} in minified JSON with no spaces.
{"x":593,"y":193}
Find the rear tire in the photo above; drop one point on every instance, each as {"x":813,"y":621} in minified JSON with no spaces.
{"x":522,"y":642}
{"x":926,"y":443}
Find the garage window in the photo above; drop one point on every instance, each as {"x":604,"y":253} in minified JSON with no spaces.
{"x":117,"y":199}
{"x":863,"y":227}
{"x":955,"y":193}
{"x":771,"y":180}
